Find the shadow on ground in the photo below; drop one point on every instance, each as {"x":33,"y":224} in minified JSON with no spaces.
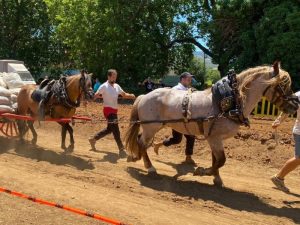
{"x":236,"y":200}
{"x":42,"y":154}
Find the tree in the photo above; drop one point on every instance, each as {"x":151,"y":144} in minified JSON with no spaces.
{"x":244,"y":34}
{"x":25,"y":33}
{"x":132,"y":38}
{"x":212,"y":76}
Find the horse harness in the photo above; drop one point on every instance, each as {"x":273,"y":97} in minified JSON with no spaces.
{"x":186,"y":104}
{"x":55,"y":93}
{"x":226,"y":96}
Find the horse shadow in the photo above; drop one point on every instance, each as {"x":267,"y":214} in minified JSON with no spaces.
{"x":6,"y":144}
{"x":41,"y":154}
{"x":109,"y":157}
{"x":181,"y":168}
{"x":236,"y":200}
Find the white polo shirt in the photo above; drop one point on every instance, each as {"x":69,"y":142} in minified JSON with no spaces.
{"x":180,"y":87}
{"x":110,"y":94}
{"x":296,"y":129}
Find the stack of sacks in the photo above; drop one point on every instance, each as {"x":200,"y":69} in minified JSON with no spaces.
{"x":13,"y":82}
{"x":10,"y":85}
{"x":6,"y":105}
{"x":2,"y":83}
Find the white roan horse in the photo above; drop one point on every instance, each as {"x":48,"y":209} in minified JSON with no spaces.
{"x":166,"y":105}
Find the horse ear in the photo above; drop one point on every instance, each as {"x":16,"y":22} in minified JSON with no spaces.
{"x":276,"y":67}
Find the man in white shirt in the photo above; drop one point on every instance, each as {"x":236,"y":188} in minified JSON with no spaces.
{"x":294,"y":162}
{"x":183,"y":85}
{"x":110,"y":92}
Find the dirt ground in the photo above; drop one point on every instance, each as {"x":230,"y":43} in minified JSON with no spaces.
{"x":100,"y":182}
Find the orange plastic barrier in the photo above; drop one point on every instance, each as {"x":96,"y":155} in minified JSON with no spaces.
{"x":67,"y":208}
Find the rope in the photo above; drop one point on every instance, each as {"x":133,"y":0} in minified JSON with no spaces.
{"x":181,"y":120}
{"x":64,"y":207}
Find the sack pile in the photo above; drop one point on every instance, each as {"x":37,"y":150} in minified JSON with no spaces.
{"x":10,"y":86}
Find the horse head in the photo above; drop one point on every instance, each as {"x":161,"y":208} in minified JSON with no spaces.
{"x":279,"y":91}
{"x":86,"y":85}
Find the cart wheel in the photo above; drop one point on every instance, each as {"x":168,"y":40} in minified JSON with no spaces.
{"x":9,"y":129}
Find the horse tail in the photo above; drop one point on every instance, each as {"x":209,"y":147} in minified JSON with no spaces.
{"x":132,"y":133}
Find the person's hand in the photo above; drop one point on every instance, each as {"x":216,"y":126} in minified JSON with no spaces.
{"x":96,"y":96}
{"x":132,"y":96}
{"x":275,"y":124}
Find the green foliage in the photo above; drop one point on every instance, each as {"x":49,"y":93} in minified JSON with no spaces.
{"x":148,"y":38}
{"x":196,"y":68}
{"x":212,"y":76}
{"x":244,"y":34}
{"x":25,"y":33}
{"x":131,"y":38}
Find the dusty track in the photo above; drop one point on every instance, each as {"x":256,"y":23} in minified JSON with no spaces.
{"x":100,"y":182}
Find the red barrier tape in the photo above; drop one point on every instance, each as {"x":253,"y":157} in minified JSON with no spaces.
{"x":67,"y":208}
{"x":29,"y":118}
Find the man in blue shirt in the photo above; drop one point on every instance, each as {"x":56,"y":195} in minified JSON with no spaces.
{"x":96,"y":85}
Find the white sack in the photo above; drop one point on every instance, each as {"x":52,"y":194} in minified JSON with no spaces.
{"x":4,"y":92}
{"x":6,"y":109}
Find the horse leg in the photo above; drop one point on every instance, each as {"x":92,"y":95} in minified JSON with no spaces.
{"x":149,"y":131}
{"x":22,"y":130}
{"x":216,"y":164}
{"x":72,"y":142}
{"x":63,"y":135}
{"x":31,"y":127}
{"x":218,"y":160}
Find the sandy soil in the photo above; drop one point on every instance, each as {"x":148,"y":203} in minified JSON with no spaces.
{"x":101,"y":182}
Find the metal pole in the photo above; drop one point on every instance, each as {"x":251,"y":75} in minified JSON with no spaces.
{"x":204,"y":64}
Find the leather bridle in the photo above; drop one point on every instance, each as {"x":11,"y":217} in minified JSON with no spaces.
{"x":87,"y":93}
{"x":280,"y":92}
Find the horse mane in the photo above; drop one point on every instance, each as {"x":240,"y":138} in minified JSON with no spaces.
{"x":251,"y":74}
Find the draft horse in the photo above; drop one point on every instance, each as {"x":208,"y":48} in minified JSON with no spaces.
{"x":166,"y":105}
{"x":65,"y":96}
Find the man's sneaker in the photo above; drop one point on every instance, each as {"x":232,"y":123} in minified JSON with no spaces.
{"x":279,"y":183}
{"x":92,"y":143}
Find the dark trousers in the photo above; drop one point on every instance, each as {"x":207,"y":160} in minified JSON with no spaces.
{"x":111,"y":128}
{"x":176,"y":139}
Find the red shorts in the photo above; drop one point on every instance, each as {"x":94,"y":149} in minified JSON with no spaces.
{"x":108,"y":110}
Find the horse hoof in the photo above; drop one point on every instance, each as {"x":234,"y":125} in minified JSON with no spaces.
{"x":200,"y":171}
{"x":122,"y":154}
{"x":152,"y":173}
{"x":70,"y":149}
{"x":33,"y":141}
{"x":218,"y":182}
{"x":63,"y":147}
{"x":152,"y":170}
